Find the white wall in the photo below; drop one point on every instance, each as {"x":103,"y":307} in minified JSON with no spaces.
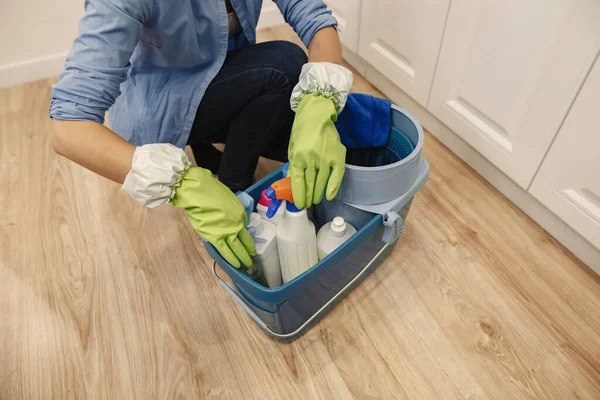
{"x":35,"y":36}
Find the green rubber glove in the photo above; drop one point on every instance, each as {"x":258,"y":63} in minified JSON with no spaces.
{"x":216,"y":214}
{"x":317,"y":157}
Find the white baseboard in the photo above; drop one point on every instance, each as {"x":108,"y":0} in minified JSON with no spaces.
{"x":556,"y":227}
{"x":270,"y":16}
{"x":32,"y":70}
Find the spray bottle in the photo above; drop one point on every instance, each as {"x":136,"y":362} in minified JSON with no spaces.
{"x":296,"y":234}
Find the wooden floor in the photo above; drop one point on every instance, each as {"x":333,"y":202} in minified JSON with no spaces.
{"x":100,"y":298}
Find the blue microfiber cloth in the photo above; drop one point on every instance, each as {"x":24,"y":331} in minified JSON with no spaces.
{"x":365,"y":121}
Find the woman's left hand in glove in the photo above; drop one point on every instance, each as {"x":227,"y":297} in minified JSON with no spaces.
{"x":316,"y":155}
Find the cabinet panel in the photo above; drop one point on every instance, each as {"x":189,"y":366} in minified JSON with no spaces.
{"x":401,"y":39}
{"x":568,"y":182}
{"x":347,"y":13}
{"x":508,"y":72}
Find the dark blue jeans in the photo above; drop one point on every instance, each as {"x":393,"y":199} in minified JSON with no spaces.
{"x":247,"y":107}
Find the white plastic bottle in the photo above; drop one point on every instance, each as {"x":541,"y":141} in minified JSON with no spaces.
{"x":297,"y":243}
{"x":267,"y":255}
{"x":332,"y":235}
{"x":263,"y":205}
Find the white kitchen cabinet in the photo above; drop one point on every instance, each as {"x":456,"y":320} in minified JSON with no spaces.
{"x":401,"y":39}
{"x":508,"y":72}
{"x":347,"y":13}
{"x":568,"y":182}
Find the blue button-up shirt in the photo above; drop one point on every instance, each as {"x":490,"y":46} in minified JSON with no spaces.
{"x":150,"y":61}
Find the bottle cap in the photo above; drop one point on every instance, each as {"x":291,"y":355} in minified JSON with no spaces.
{"x":291,"y":207}
{"x":338,"y":227}
{"x":264,"y":200}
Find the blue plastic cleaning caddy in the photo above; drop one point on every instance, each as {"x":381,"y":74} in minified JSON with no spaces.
{"x":375,"y":197}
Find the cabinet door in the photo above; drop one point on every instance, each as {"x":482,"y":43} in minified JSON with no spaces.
{"x":508,"y":72}
{"x":347,"y":13}
{"x":568,"y":182}
{"x":401,"y":39}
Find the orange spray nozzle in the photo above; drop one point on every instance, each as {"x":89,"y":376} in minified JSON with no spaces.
{"x":283,"y":189}
{"x":278,"y":192}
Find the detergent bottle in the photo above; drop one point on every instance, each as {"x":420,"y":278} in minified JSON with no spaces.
{"x":332,"y":235}
{"x":296,"y":234}
{"x":267,"y":256}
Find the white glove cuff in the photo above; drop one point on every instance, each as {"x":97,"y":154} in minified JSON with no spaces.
{"x":156,"y":172}
{"x":328,"y":79}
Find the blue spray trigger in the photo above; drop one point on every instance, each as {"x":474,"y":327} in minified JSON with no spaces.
{"x":274,"y":205}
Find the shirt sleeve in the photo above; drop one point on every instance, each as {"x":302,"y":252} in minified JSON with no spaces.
{"x":99,"y":59}
{"x":306,"y":17}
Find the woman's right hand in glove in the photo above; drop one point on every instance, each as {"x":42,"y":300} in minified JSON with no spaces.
{"x":216,"y":214}
{"x":161,"y":173}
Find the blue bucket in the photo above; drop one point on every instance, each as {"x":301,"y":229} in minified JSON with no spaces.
{"x":286,"y":312}
{"x":380,"y":175}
